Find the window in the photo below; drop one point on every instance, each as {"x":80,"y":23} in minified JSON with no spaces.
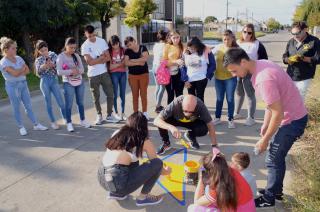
{"x":179,"y":8}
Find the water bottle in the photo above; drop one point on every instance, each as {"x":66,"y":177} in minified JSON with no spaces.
{"x":256,"y":151}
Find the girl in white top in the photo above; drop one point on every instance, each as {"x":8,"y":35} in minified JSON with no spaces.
{"x":255,"y":51}
{"x":157,"y":57}
{"x":121,"y":173}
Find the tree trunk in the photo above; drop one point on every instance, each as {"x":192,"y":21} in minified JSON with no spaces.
{"x":138,"y":35}
{"x":76,"y":34}
{"x":27,"y":44}
{"x":103,"y":28}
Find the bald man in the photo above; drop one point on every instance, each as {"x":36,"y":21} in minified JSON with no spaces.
{"x":189,"y":112}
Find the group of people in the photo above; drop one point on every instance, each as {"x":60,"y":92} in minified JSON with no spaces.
{"x":240,"y":69}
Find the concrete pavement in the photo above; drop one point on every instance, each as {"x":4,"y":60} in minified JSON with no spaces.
{"x":56,"y":170}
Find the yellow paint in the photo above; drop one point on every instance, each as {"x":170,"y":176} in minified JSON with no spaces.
{"x":174,"y":182}
{"x":184,"y":143}
{"x":191,"y":166}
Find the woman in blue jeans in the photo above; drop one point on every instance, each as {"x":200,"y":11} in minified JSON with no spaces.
{"x":118,"y":73}
{"x":46,"y":69}
{"x":121,"y":173}
{"x":14,"y":71}
{"x":225,"y":83}
{"x":69,"y":66}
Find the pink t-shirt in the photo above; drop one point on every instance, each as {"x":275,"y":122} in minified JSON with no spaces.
{"x":272,"y":83}
{"x":118,"y":57}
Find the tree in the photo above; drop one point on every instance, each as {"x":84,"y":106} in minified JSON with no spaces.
{"x":138,"y":13}
{"x":308,"y":10}
{"x":273,"y":24}
{"x":210,"y":19}
{"x":105,"y":10}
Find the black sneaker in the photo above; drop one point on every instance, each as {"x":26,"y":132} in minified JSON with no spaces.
{"x":116,"y":196}
{"x":191,"y":140}
{"x":163,"y":148}
{"x":261,"y":202}
{"x":278,"y":197}
{"x":158,"y":109}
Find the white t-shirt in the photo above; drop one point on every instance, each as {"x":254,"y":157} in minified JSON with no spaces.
{"x":157,"y":53}
{"x":95,"y":50}
{"x":196,"y":66}
{"x":251,"y":48}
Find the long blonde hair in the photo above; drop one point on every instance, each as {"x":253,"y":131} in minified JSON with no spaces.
{"x":6,"y":43}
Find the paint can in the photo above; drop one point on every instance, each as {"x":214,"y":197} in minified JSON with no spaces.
{"x":191,"y":169}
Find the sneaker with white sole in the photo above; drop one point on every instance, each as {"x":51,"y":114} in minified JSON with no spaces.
{"x":146,"y":115}
{"x":123,"y":117}
{"x":261,"y":202}
{"x":23,"y":131}
{"x":85,"y":124}
{"x":39,"y":127}
{"x":112,"y":119}
{"x":54,"y":126}
{"x":237,"y":116}
{"x":250,"y":122}
{"x":231,"y":124}
{"x":217,"y":121}
{"x":99,"y":120}
{"x":70,"y":127}
{"x":149,"y":200}
{"x":118,"y":116}
{"x":116,"y":196}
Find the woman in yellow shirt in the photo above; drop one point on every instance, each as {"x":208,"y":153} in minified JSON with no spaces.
{"x":224,"y":82}
{"x":173,"y":54}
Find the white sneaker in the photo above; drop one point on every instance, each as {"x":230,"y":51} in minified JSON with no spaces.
{"x":117,"y":116}
{"x":112,"y":119}
{"x":85,"y":124}
{"x":99,"y":120}
{"x":123,"y":117}
{"x":23,"y":131}
{"x":250,"y":122}
{"x":146,"y":115}
{"x":40,"y":127}
{"x":231,"y":124}
{"x":217,"y":121}
{"x":54,"y":126}
{"x":237,"y":116}
{"x":70,"y":127}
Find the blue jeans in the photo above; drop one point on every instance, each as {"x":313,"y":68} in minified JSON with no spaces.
{"x":276,"y":155}
{"x":48,"y":85}
{"x":159,"y":89}
{"x":19,"y":92}
{"x":69,"y":92}
{"x":227,"y":87}
{"x":119,"y":79}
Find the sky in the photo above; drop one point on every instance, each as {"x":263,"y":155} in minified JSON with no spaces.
{"x":281,"y":10}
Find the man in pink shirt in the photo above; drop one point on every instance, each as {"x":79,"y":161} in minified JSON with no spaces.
{"x":285,"y":116}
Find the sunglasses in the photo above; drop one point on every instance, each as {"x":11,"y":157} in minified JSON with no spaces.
{"x":246,"y":32}
{"x":297,"y":33}
{"x":189,"y":112}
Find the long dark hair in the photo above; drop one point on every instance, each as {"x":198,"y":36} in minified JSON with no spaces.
{"x":197,"y":44}
{"x":221,"y":180}
{"x":230,"y":34}
{"x":114,"y":39}
{"x":132,"y":135}
{"x":39,"y":45}
{"x":162,"y":36}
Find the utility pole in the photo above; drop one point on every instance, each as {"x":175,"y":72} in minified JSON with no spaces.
{"x":237,"y":20}
{"x":252,"y":18}
{"x":247,"y":15}
{"x":174,"y":14}
{"x":227,"y":14}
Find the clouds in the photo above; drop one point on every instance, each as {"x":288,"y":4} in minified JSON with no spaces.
{"x":282,"y":10}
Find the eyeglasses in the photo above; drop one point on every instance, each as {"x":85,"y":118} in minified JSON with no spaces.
{"x":189,"y":112}
{"x":296,"y":33}
{"x":246,"y":32}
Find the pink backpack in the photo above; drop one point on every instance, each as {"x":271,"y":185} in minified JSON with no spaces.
{"x":163,"y":74}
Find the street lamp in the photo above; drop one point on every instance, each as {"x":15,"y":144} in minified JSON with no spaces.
{"x":227,"y":14}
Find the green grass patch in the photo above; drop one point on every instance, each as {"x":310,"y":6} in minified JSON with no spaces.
{"x":218,"y":36}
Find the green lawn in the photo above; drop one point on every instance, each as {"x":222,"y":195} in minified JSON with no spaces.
{"x":218,"y":36}
{"x":33,"y":83}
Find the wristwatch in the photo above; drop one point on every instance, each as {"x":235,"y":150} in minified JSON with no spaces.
{"x":214,"y":145}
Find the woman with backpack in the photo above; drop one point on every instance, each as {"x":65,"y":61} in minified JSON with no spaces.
{"x":173,"y":54}
{"x":118,"y":74}
{"x":157,"y":58}
{"x":69,"y":66}
{"x":45,"y":65}
{"x":200,"y":65}
{"x":136,"y":57}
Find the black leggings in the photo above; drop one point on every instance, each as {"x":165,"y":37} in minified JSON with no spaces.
{"x":175,"y":87}
{"x":198,"y":87}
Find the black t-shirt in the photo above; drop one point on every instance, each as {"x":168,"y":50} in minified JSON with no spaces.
{"x":137,"y":70}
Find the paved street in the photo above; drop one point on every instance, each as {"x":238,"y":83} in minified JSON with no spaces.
{"x":56,"y":170}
